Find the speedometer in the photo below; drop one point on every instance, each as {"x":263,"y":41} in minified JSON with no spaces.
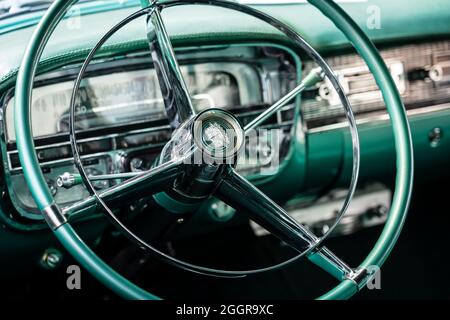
{"x":132,"y":96}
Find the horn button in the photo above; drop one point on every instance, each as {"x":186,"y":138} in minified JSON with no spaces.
{"x":218,"y":135}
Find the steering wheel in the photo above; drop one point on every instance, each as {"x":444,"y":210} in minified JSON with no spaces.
{"x":199,"y":159}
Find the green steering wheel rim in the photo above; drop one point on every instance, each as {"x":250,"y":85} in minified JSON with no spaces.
{"x":117,"y":283}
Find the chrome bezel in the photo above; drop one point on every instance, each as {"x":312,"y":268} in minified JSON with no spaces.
{"x":224,"y":119}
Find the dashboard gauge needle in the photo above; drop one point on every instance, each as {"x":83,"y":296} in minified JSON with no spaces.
{"x":315,"y":76}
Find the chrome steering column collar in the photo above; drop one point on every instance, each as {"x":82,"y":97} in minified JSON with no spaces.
{"x":53,"y":216}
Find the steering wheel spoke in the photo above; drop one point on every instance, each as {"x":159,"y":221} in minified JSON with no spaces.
{"x":147,"y":183}
{"x":241,"y":194}
{"x":315,"y":76}
{"x":177,"y":100}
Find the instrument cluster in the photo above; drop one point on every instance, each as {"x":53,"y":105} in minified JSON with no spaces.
{"x":120,"y":116}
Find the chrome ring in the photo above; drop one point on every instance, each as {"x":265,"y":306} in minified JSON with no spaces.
{"x":301,"y":44}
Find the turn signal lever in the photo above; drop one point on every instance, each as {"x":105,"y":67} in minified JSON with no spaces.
{"x":68,"y":180}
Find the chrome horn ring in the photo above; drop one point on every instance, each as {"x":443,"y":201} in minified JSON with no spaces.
{"x":301,"y":44}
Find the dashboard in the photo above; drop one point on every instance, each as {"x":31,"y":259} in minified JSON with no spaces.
{"x":134,"y":96}
{"x":122,"y":126}
{"x":120,"y":116}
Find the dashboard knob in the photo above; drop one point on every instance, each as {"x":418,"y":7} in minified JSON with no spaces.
{"x":436,"y":73}
{"x":66,"y":180}
{"x":435,"y":137}
{"x":52,"y":187}
{"x":137,"y":164}
{"x":220,"y":211}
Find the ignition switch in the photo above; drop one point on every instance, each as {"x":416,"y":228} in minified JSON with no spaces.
{"x":51,"y":259}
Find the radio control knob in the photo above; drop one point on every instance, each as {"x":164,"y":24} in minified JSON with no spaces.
{"x":67,"y":180}
{"x":436,"y":73}
{"x":52,"y":187}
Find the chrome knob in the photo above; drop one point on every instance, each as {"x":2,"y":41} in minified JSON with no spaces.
{"x":68,"y":180}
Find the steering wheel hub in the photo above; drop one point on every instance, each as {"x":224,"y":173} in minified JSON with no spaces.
{"x":218,"y":134}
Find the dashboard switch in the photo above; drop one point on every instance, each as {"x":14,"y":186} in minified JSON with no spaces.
{"x":435,"y":137}
{"x":68,"y":180}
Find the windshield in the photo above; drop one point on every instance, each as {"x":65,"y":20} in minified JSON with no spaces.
{"x":11,"y":8}
{"x":14,"y":7}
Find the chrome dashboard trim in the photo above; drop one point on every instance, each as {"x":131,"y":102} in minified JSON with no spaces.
{"x":69,"y":160}
{"x":107,"y":136}
{"x":380,"y":117}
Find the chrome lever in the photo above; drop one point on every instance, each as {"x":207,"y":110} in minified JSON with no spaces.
{"x":68,"y":180}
